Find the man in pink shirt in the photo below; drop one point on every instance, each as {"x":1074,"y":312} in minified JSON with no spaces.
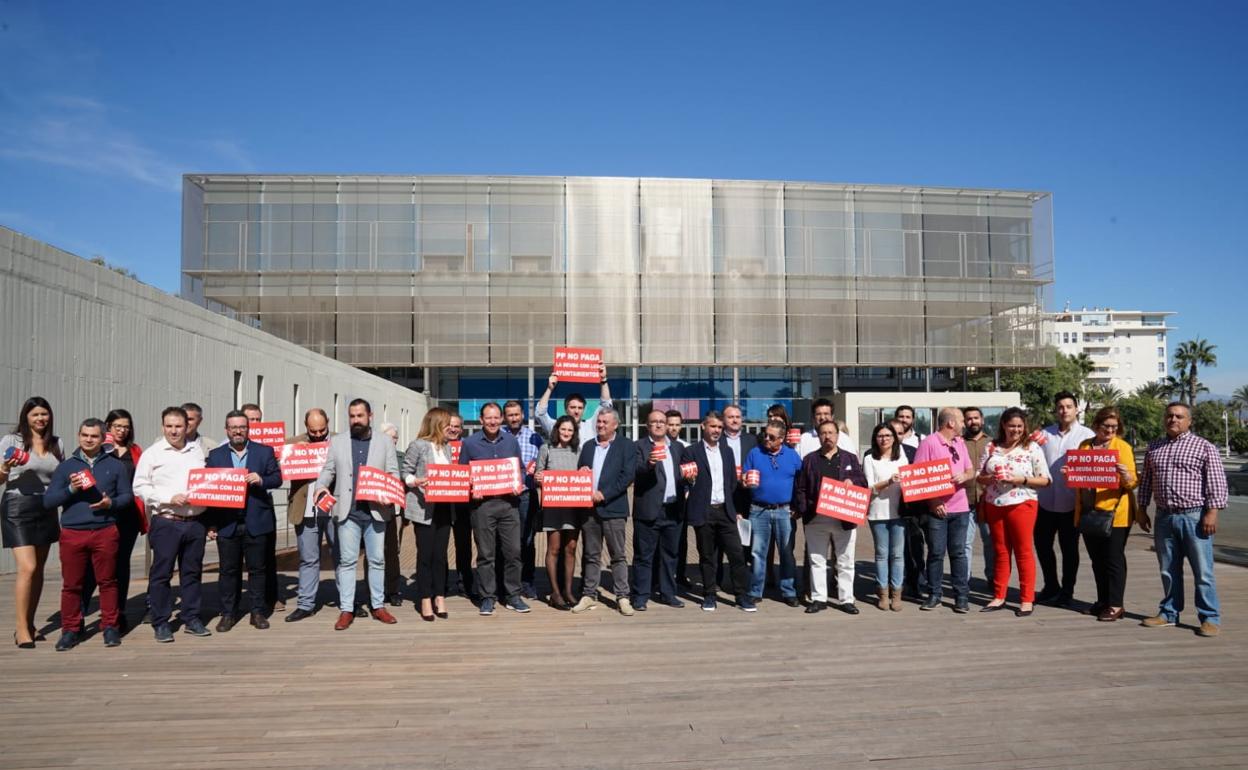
{"x":948,"y":517}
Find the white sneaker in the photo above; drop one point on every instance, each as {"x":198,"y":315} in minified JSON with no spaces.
{"x":626,"y":607}
{"x":586,"y":603}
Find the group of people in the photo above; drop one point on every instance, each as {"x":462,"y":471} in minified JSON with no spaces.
{"x":1009,"y":488}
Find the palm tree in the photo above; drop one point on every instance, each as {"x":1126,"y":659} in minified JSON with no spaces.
{"x":1174,"y":387}
{"x":1239,"y":402}
{"x":1103,"y":395}
{"x":1190,"y":355}
{"x":1158,"y":391}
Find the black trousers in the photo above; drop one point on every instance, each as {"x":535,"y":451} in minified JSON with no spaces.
{"x":916,"y":552}
{"x":1109,"y":564}
{"x":1059,"y":524}
{"x":431,"y":542}
{"x":271,"y":594}
{"x":462,"y":530}
{"x":233,"y":551}
{"x":655,"y":545}
{"x":719,"y":536}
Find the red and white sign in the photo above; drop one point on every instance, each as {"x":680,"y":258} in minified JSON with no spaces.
{"x":1092,"y":468}
{"x":753,"y":478}
{"x":83,"y":479}
{"x":578,"y":364}
{"x":923,"y":481}
{"x":377,"y":486}
{"x":455,"y":446}
{"x":658,"y":453}
{"x":842,"y":500}
{"x":497,"y":477}
{"x":567,"y":489}
{"x":447,"y":483}
{"x":268,"y":433}
{"x":1040,"y":436}
{"x":302,"y":461}
{"x":689,"y":470}
{"x":325,"y":501}
{"x":217,"y":487}
{"x":794,"y":437}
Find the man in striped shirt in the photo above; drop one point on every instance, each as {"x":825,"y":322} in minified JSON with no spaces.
{"x":1184,"y":475}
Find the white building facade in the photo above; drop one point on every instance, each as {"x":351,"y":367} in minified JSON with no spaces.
{"x":1129,"y":348}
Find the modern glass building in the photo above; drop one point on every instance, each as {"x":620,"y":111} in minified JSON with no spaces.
{"x":697,"y":289}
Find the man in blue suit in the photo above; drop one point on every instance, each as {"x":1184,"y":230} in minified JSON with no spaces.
{"x":613,"y":460}
{"x":245,"y":533}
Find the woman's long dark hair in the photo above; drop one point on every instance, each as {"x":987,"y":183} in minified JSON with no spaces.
{"x":121,"y":414}
{"x":575,"y":444}
{"x":28,"y":435}
{"x":1006,"y":416}
{"x":874,"y":451}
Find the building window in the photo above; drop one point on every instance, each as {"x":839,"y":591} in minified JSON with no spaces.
{"x":1065,"y":338}
{"x":1161,"y":352}
{"x":1161,"y":367}
{"x":1161,"y":336}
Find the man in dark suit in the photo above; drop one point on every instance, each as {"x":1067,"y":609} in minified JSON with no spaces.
{"x":245,"y":533}
{"x":613,"y":460}
{"x":712,"y":512}
{"x":658,"y":513}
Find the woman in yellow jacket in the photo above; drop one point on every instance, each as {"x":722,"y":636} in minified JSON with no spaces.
{"x":1105,"y":515}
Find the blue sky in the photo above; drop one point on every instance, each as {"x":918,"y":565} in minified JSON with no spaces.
{"x":1132,"y":114}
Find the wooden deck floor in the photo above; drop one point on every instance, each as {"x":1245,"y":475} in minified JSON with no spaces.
{"x":666,"y":688}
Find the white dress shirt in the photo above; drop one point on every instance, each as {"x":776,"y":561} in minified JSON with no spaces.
{"x":716,"y":464}
{"x":162,"y":472}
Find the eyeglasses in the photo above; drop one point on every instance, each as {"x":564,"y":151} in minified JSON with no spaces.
{"x":953,"y":452}
{"x":769,"y":437}
{"x":1109,"y":425}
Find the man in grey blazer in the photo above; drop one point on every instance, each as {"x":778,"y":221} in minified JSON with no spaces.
{"x":356,"y":519}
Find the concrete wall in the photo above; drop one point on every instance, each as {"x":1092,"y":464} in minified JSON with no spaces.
{"x":89,"y":339}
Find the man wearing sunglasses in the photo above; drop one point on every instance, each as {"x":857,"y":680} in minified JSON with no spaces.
{"x":946,"y":524}
{"x":769,"y":470}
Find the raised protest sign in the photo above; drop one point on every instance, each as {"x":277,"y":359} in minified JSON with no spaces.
{"x":377,"y":486}
{"x":217,"y":487}
{"x":567,"y":489}
{"x":1092,"y":468}
{"x":302,"y":461}
{"x":578,"y":364}
{"x":923,"y":481}
{"x":447,"y":483}
{"x":496,"y":477}
{"x":268,"y":433}
{"x":844,"y":501}
{"x":455,"y":446}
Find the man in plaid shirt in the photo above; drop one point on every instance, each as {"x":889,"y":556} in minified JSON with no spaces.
{"x":1184,"y":475}
{"x":530,"y":443}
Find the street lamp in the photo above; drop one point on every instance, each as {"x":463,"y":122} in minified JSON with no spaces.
{"x":1226,"y":432}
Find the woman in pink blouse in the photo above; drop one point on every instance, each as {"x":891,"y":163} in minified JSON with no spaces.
{"x":1012,"y":469}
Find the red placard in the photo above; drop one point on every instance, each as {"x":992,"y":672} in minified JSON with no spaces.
{"x":303,"y":461}
{"x":1092,"y":468}
{"x":268,"y":433}
{"x":923,"y":481}
{"x":578,"y":364}
{"x":325,"y":502}
{"x":377,"y":486}
{"x":455,"y":447}
{"x":217,"y":487}
{"x":842,"y":500}
{"x":567,"y":489}
{"x":496,"y":477}
{"x":447,"y":483}
{"x":689,"y":470}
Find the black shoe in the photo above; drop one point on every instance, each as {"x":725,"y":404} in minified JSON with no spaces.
{"x":672,"y":602}
{"x":962,"y":607}
{"x":23,"y":645}
{"x":297,"y":615}
{"x":258,"y":620}
{"x":1063,"y":600}
{"x":112,"y":637}
{"x":163,"y":632}
{"x":195,"y":627}
{"x":395,"y":600}
{"x":814,"y":607}
{"x":792,"y":602}
{"x":527,"y":591}
{"x":226,"y":623}
{"x":992,"y":607}
{"x":849,"y":608}
{"x":361,"y":611}
{"x":68,"y":641}
{"x":1047,"y":594}
{"x":932,"y":603}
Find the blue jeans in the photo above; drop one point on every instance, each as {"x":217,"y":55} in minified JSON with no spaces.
{"x":764,"y":524}
{"x":374,"y":535}
{"x":948,"y":535}
{"x":973,"y":524}
{"x":890,"y":549}
{"x":1176,"y":535}
{"x":309,"y":535}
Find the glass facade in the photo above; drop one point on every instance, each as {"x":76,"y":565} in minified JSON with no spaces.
{"x":404,"y":271}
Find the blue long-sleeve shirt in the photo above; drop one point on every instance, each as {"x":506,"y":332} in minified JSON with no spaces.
{"x":111,"y":478}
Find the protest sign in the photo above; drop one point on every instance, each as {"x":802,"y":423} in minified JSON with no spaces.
{"x":578,"y":364}
{"x":377,"y":486}
{"x":567,"y":489}
{"x":496,"y":477}
{"x":302,"y":461}
{"x":923,"y":481}
{"x":842,"y":500}
{"x":447,"y":483}
{"x":217,"y":487}
{"x":268,"y":433}
{"x":1092,"y":468}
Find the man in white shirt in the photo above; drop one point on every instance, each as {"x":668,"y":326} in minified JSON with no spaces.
{"x":821,"y":411}
{"x":574,"y":406}
{"x":905,"y":413}
{"x":177,"y":534}
{"x":1056,"y":517}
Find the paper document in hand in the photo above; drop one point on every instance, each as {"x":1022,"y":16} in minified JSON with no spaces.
{"x":744,"y":531}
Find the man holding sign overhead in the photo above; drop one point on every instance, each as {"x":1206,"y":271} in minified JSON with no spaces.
{"x":350,"y":454}
{"x":948,"y":514}
{"x":574,"y":406}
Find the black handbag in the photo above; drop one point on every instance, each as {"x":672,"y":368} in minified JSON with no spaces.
{"x":1097,"y":523}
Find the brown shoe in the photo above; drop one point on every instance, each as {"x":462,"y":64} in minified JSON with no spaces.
{"x":894,"y":599}
{"x":1109,"y":614}
{"x":1157,"y":621}
{"x":384,"y":616}
{"x":1208,"y":629}
{"x":881,"y":598}
{"x":225,"y":623}
{"x":345,"y":619}
{"x":259,"y":621}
